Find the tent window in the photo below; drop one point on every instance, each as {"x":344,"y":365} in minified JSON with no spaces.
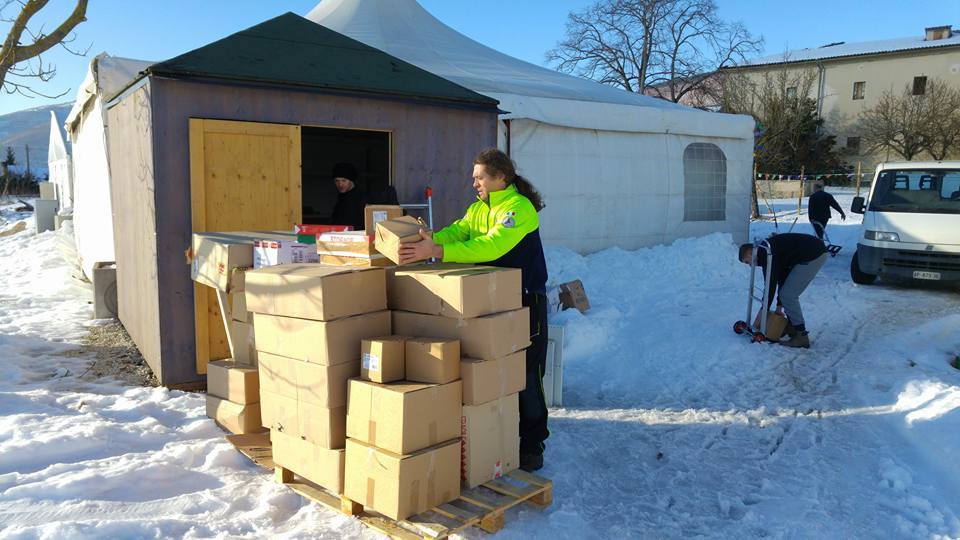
{"x":704,"y":183}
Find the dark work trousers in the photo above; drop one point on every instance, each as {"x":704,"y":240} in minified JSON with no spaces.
{"x":533,"y":406}
{"x":818,"y":228}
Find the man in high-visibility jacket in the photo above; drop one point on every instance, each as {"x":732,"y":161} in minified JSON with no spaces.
{"x":502,"y":229}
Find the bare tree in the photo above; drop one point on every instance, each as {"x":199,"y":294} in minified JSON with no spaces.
{"x":22,"y":60}
{"x":942,"y":133}
{"x":666,"y":47}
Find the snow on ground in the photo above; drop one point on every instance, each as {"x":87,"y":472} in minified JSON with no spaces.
{"x":674,"y":425}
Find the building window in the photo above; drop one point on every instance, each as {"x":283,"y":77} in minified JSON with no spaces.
{"x":919,"y":86}
{"x":704,"y":183}
{"x":792,"y":92}
{"x":853,"y":145}
{"x":858,"y":89}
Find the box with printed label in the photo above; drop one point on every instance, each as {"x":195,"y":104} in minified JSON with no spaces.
{"x":375,"y":213}
{"x":317,"y":464}
{"x":349,"y":244}
{"x":308,"y":233}
{"x":490,"y":440}
{"x":432,"y":360}
{"x":394,"y":232}
{"x":382,"y":359}
{"x":219,"y":259}
{"x":487,"y":337}
{"x":399,"y":486}
{"x":487,"y":380}
{"x":236,"y":417}
{"x":322,"y":426}
{"x":456,"y":290}
{"x":228,"y":380}
{"x":318,"y":342}
{"x":376,"y":261}
{"x":270,"y":252}
{"x":403,"y":417}
{"x":317,"y":384}
{"x":313,"y":291}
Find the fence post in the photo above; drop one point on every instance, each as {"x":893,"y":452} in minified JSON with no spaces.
{"x":800,"y":195}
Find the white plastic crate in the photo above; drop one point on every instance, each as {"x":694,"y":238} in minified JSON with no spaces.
{"x":553,"y":377}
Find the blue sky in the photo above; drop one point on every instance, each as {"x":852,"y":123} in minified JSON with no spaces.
{"x":157,"y":30}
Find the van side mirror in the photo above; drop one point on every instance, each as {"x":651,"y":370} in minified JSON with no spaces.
{"x":857,"y":207}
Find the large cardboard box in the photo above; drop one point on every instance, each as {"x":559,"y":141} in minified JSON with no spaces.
{"x":393,"y":232}
{"x":272,"y":252}
{"x":403,"y":417}
{"x":236,"y":417}
{"x":220,"y":258}
{"x":317,"y":464}
{"x":383,"y":359}
{"x":400,"y":486}
{"x":244,"y":343}
{"x":313,"y":291}
{"x":490,"y":440}
{"x":487,"y":380}
{"x":322,"y":426}
{"x":324,"y":386}
{"x":487,"y":337}
{"x":456,"y":290}
{"x":236,"y":383}
{"x":375,"y":213}
{"x":318,"y":342}
{"x":432,"y":360}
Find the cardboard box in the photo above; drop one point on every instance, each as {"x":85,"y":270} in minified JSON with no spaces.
{"x":487,"y":380}
{"x":238,"y":306}
{"x":227,"y":380}
{"x":490,"y":444}
{"x":244,"y":344}
{"x":269,"y":252}
{"x":355,"y":243}
{"x":326,"y":343}
{"x":323,"y":426}
{"x":400,"y":486}
{"x":382,"y":359}
{"x":776,"y":324}
{"x":487,"y":337}
{"x":432,"y":360}
{"x":312,"y":291}
{"x":308,"y":233}
{"x":572,"y":295}
{"x":457,"y":290}
{"x":218,"y":259}
{"x":317,"y":464}
{"x":235,"y":417}
{"x":403,"y":417}
{"x":375,"y":213}
{"x":324,"y":386}
{"x":393,"y":232}
{"x":377,"y":260}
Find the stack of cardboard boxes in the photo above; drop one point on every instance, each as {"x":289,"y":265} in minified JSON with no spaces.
{"x":309,"y":321}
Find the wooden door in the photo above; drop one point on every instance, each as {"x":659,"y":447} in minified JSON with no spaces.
{"x":243,"y":176}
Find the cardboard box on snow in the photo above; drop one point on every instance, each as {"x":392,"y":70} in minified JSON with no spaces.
{"x":403,"y":417}
{"x":312,"y":291}
{"x":456,"y":290}
{"x":487,"y":380}
{"x":432,"y":360}
{"x":776,"y":324}
{"x":219,"y":258}
{"x":487,"y":337}
{"x":383,"y":359}
{"x":236,"y":417}
{"x":394,"y":232}
{"x":572,"y":295}
{"x":272,"y":252}
{"x":317,"y":384}
{"x":318,"y":342}
{"x":319,"y":465}
{"x":323,"y":426}
{"x":236,"y":383}
{"x":400,"y":486}
{"x":490,"y":440}
{"x":375,"y":213}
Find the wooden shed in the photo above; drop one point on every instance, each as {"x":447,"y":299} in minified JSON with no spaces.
{"x":241,"y":134}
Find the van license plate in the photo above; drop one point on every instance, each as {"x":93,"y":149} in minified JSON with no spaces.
{"x":926,"y":275}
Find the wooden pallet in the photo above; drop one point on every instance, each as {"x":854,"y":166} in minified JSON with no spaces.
{"x":484,"y":506}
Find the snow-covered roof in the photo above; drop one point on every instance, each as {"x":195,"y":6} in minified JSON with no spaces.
{"x":106,"y":77}
{"x":840,"y":50}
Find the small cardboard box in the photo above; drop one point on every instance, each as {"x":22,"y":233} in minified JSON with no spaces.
{"x":485,"y":338}
{"x":312,"y":291}
{"x":776,"y":324}
{"x":403,"y":417}
{"x":375,"y":213}
{"x":326,"y":343}
{"x":376,"y":260}
{"x":227,"y":380}
{"x":271,"y":252}
{"x":324,"y":386}
{"x":382,"y":359}
{"x":490,"y":440}
{"x":317,"y":464}
{"x":487,"y":380}
{"x":244,"y":344}
{"x":323,"y":426}
{"x":432,"y":360}
{"x":349,"y":244}
{"x":572,"y":295}
{"x":393,"y":232}
{"x":457,"y":290}
{"x":235,"y":417}
{"x":400,"y":486}
{"x":218,"y":259}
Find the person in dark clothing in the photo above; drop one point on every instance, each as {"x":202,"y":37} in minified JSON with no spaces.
{"x":795,"y":259}
{"x":351,"y":200}
{"x":502,"y":228}
{"x":818,"y":209}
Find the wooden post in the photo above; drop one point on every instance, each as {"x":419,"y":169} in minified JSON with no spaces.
{"x":859,"y":163}
{"x":800,"y":196}
{"x":754,"y":205}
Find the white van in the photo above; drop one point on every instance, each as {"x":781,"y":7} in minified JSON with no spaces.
{"x":911,"y":223}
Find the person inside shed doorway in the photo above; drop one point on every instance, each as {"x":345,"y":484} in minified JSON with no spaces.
{"x":351,"y":199}
{"x":502,"y":229}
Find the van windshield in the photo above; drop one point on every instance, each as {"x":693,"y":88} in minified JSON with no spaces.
{"x":934,"y":191}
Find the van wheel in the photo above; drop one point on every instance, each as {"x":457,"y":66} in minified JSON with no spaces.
{"x":859,"y":277}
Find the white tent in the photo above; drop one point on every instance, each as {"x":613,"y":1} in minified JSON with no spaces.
{"x":615,"y":168}
{"x":88,"y":131}
{"x":58,"y":164}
